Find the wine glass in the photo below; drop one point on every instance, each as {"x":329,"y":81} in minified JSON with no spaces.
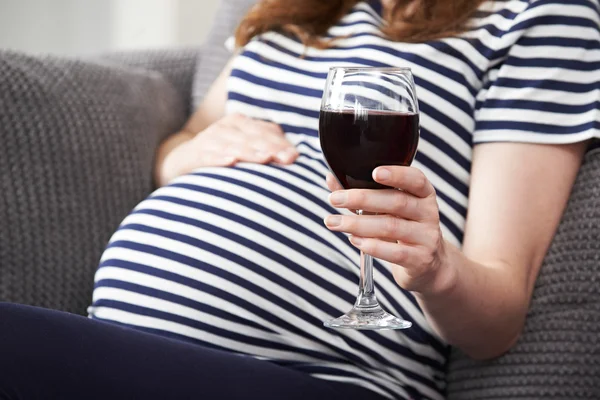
{"x":369,"y":118}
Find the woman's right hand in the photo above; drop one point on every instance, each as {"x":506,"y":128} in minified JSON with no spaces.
{"x":234,"y":138}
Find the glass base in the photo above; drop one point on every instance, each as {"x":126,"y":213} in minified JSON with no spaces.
{"x":370,"y":319}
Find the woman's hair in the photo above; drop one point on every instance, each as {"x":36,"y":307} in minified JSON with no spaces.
{"x":309,"y":20}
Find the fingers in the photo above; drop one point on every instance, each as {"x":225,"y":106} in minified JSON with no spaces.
{"x":383,"y":227}
{"x":234,"y":138}
{"x":286,"y":156}
{"x":409,"y":179}
{"x":248,"y":140}
{"x":412,"y":264}
{"x":213,"y":160}
{"x":394,"y":202}
{"x":396,"y":253}
{"x":245,"y":153}
{"x":281,"y":150}
{"x":262,"y":137}
{"x":254,"y":126}
{"x":260,"y":155}
{"x":177,"y":166}
{"x":213,"y":149}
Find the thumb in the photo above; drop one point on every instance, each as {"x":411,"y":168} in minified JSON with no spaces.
{"x":332,"y":183}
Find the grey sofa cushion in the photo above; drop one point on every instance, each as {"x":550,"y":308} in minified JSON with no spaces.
{"x":177,"y":65}
{"x":214,"y":54}
{"x":77,"y":143}
{"x":558,"y":355}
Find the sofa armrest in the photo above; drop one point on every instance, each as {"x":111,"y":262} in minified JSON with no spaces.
{"x":177,"y":65}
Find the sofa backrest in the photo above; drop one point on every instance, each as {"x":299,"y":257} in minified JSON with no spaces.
{"x":214,"y":54}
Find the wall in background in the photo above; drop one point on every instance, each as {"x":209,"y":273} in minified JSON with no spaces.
{"x":160,"y":23}
{"x":77,"y":27}
{"x":195,"y":19}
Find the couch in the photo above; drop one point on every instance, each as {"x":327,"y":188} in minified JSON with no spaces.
{"x":78,"y":139}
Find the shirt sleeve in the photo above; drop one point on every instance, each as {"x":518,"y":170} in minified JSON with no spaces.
{"x":547,"y":88}
{"x":230,"y":44}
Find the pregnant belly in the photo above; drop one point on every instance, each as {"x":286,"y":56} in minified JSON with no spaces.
{"x":238,"y":259}
{"x":226,"y":252}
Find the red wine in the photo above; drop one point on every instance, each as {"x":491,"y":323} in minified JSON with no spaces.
{"x":354,"y":144}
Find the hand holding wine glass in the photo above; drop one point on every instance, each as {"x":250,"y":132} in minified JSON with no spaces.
{"x":369,"y":119}
{"x":403,"y":228}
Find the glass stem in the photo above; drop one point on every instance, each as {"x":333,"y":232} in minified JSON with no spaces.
{"x":366,"y":295}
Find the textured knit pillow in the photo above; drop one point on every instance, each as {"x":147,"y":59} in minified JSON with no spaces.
{"x":214,"y":54}
{"x":77,"y":143}
{"x":176,"y":65}
{"x":558,"y":355}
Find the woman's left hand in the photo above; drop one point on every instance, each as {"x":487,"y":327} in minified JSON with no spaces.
{"x":405,"y":230}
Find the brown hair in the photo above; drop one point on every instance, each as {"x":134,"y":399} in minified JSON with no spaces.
{"x":309,"y":20}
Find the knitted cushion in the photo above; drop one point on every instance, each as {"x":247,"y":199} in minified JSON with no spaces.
{"x":558,"y":355}
{"x":77,"y":147}
{"x":176,"y":65}
{"x":214,"y":54}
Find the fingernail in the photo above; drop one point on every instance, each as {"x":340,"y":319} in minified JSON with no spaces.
{"x":382,"y":174}
{"x":333,"y":221}
{"x":356,"y":240}
{"x":262,"y":155}
{"x":292,"y":152}
{"x":338,"y":198}
{"x":284,"y":156}
{"x":229,"y":160}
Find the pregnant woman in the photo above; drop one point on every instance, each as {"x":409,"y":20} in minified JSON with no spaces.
{"x":217,"y":286}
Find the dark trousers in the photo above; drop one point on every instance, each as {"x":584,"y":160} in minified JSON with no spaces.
{"x":48,"y":355}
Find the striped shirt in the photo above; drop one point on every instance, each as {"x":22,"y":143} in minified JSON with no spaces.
{"x":238,"y":258}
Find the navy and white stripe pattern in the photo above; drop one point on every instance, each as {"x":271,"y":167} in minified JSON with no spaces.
{"x":238,"y":258}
